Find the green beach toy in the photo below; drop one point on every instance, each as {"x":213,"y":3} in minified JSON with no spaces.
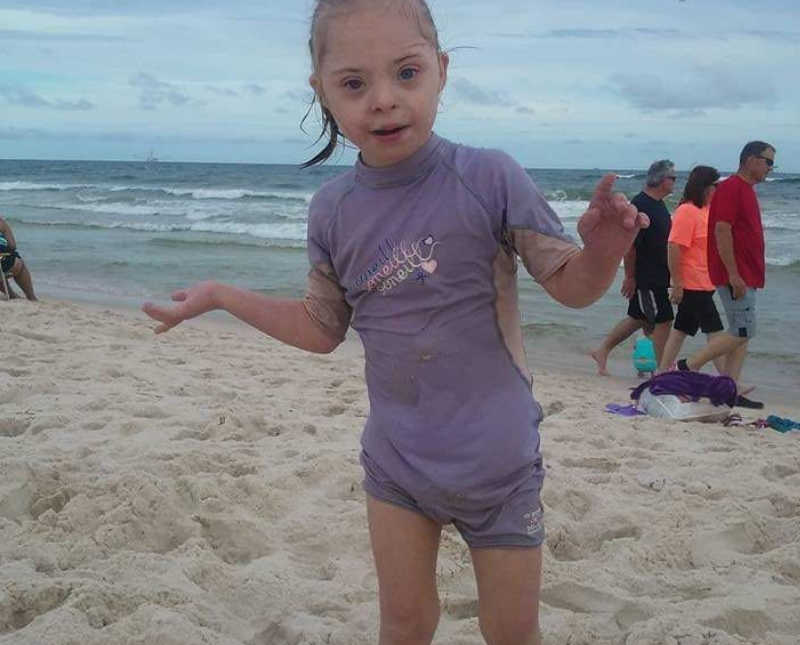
{"x":644,"y":357}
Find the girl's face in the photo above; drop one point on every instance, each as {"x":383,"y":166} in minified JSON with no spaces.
{"x":381,"y":79}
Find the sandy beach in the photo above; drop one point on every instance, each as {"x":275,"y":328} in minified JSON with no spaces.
{"x":203,"y":487}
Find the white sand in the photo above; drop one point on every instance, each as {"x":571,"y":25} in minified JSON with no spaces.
{"x":204,"y":487}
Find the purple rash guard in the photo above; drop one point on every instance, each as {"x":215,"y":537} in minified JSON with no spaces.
{"x":420,"y":258}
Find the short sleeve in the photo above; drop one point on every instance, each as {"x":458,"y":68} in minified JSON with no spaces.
{"x":725,"y":202}
{"x":683,"y":224}
{"x":640,"y":238}
{"x":536,"y":232}
{"x":325,"y":300}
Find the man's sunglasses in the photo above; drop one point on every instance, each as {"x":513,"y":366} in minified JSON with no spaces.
{"x":769,"y":162}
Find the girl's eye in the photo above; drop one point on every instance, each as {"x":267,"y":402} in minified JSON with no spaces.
{"x":407,"y":73}
{"x":353,"y":84}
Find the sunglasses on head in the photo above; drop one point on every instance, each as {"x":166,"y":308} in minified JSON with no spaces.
{"x":769,"y":162}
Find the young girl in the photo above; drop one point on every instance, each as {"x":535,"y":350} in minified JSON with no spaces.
{"x":416,"y":248}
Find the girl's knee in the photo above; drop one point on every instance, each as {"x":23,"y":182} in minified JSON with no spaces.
{"x":409,"y":623}
{"x":511,"y":630}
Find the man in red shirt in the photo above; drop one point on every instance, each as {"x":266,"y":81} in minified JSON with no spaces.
{"x":736,"y":261}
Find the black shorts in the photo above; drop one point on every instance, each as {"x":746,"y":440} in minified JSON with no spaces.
{"x":651,"y":305}
{"x":8,"y":261}
{"x":697,"y":311}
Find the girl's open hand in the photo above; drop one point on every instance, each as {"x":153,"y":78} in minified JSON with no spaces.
{"x":194,"y":301}
{"x":611,"y":222}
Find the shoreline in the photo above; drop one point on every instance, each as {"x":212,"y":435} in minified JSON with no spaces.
{"x":549,"y":354}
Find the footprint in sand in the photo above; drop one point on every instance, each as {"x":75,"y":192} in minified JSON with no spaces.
{"x":785,"y":506}
{"x":13,"y":427}
{"x":580,"y":599}
{"x":16,"y":373}
{"x":571,"y":543}
{"x":333,"y":410}
{"x":234,"y":540}
{"x":25,"y":605}
{"x":55,"y":502}
{"x":460,"y":608}
{"x":752,"y":537}
{"x":586,"y":600}
{"x":746,"y":623}
{"x":574,"y":503}
{"x":598,"y":464}
{"x":781,"y":470}
{"x":554,"y":407}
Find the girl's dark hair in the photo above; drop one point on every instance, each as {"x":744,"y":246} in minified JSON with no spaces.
{"x":700,"y":178}
{"x":323,"y":9}
{"x":330,"y":127}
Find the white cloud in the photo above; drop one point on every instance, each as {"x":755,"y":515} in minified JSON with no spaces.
{"x":22,"y":96}
{"x":608,"y":77}
{"x":722,"y":87}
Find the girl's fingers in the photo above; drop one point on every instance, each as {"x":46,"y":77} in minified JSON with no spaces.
{"x":603,"y":191}
{"x":152,"y":310}
{"x":619,"y":201}
{"x":179,"y":296}
{"x":631,"y":216}
{"x":163,"y":328}
{"x":164,"y":316}
{"x":588,"y":221}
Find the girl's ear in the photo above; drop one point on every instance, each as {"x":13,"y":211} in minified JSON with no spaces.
{"x":315,"y":84}
{"x":444,"y":61}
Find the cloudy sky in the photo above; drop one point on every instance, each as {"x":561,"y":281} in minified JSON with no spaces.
{"x":557,"y":83}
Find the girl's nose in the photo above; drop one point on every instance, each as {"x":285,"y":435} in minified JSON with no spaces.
{"x":383,"y":97}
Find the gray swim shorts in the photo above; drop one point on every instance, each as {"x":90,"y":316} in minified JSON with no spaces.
{"x":517,"y":522}
{"x":741,"y":312}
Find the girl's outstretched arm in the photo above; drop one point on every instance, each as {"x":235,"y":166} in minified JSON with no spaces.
{"x":608,"y":228}
{"x":285,"y":320}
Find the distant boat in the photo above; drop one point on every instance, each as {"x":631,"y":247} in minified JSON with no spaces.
{"x":151,"y":158}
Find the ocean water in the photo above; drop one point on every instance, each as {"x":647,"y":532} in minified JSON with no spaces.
{"x":124,"y":232}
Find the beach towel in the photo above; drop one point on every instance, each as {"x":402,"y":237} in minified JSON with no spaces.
{"x":781,"y":424}
{"x":694,"y":385}
{"x":624,"y":410}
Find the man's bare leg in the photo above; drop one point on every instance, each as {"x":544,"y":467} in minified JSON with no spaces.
{"x":734,"y":362}
{"x":671,"y":349}
{"x":719,"y":345}
{"x":719,"y":361}
{"x":621,"y":332}
{"x":659,"y":337}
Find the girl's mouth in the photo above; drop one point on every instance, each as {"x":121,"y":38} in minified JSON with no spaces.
{"x":386,"y":132}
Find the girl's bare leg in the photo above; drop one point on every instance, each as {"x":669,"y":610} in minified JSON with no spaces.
{"x":508,"y":593}
{"x":405,"y":545}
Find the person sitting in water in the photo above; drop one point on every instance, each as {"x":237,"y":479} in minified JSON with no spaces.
{"x":12,"y":264}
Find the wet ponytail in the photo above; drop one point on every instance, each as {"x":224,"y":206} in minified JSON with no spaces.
{"x":329,"y":127}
